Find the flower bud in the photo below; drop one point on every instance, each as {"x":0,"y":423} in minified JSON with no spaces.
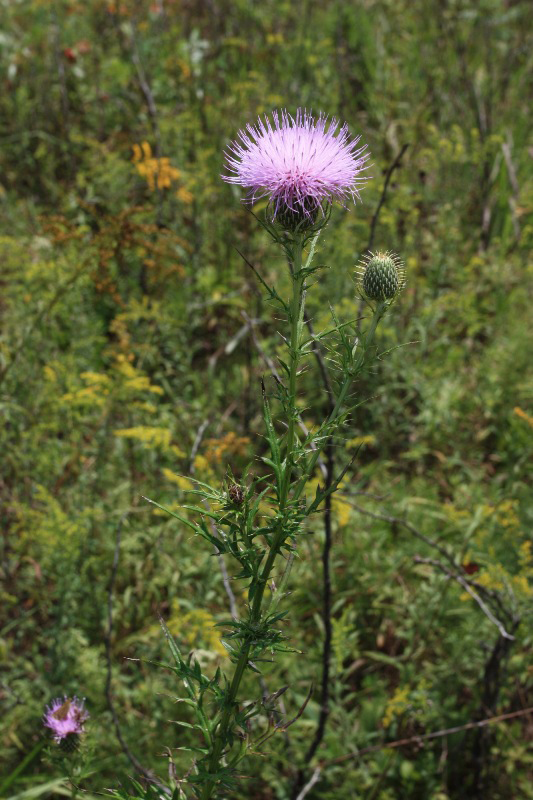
{"x":381,"y":277}
{"x":236,"y":494}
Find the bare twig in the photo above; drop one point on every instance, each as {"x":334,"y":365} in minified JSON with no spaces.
{"x":196,"y":444}
{"x":388,"y":175}
{"x":224,"y":571}
{"x":513,"y":180}
{"x":407,"y":525}
{"x":425,"y":737}
{"x":249,"y":264}
{"x":151,"y":106}
{"x":148,"y":96}
{"x":308,"y":786}
{"x":489,"y":594}
{"x":468,"y":588}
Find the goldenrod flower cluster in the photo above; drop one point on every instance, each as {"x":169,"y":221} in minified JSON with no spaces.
{"x":157,"y":172}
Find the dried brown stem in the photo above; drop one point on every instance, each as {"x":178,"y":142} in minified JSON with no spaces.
{"x":425,"y":737}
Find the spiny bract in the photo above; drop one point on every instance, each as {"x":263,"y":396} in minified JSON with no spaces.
{"x":381,"y":277}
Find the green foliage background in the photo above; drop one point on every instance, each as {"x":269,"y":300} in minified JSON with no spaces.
{"x":124,"y":342}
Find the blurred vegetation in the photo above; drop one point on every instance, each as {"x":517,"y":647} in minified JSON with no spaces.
{"x":126,"y":360}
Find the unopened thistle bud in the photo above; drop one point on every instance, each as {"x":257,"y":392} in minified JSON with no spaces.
{"x":236,"y":494}
{"x":381,"y":277}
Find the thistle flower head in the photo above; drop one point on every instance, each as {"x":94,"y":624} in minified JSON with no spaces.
{"x":65,"y":717}
{"x":301,"y":164}
{"x":380,"y":277}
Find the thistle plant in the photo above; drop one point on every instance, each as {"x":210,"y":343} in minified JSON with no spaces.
{"x":302,"y":165}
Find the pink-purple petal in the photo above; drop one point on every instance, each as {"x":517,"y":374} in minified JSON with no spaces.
{"x":64,"y":720}
{"x":297,"y":161}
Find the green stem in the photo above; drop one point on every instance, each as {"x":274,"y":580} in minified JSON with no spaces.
{"x":297,"y":311}
{"x":296,"y":315}
{"x":369,"y":338}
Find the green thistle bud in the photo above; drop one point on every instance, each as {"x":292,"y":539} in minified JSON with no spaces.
{"x":381,"y":277}
{"x":380,"y":281}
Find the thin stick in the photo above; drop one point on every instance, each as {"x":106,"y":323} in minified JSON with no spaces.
{"x":513,"y":180}
{"x":308,"y":786}
{"x":196,"y":444}
{"x":388,"y":175}
{"x":450,"y":559}
{"x":144,"y":85}
{"x":428,"y":736}
{"x":224,"y":572}
{"x":473,"y":594}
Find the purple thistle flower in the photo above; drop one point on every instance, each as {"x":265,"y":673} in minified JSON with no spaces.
{"x":65,"y":716}
{"x":300,"y":163}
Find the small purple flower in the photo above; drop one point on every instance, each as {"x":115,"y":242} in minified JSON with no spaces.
{"x":301,"y":164}
{"x":65,"y":716}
